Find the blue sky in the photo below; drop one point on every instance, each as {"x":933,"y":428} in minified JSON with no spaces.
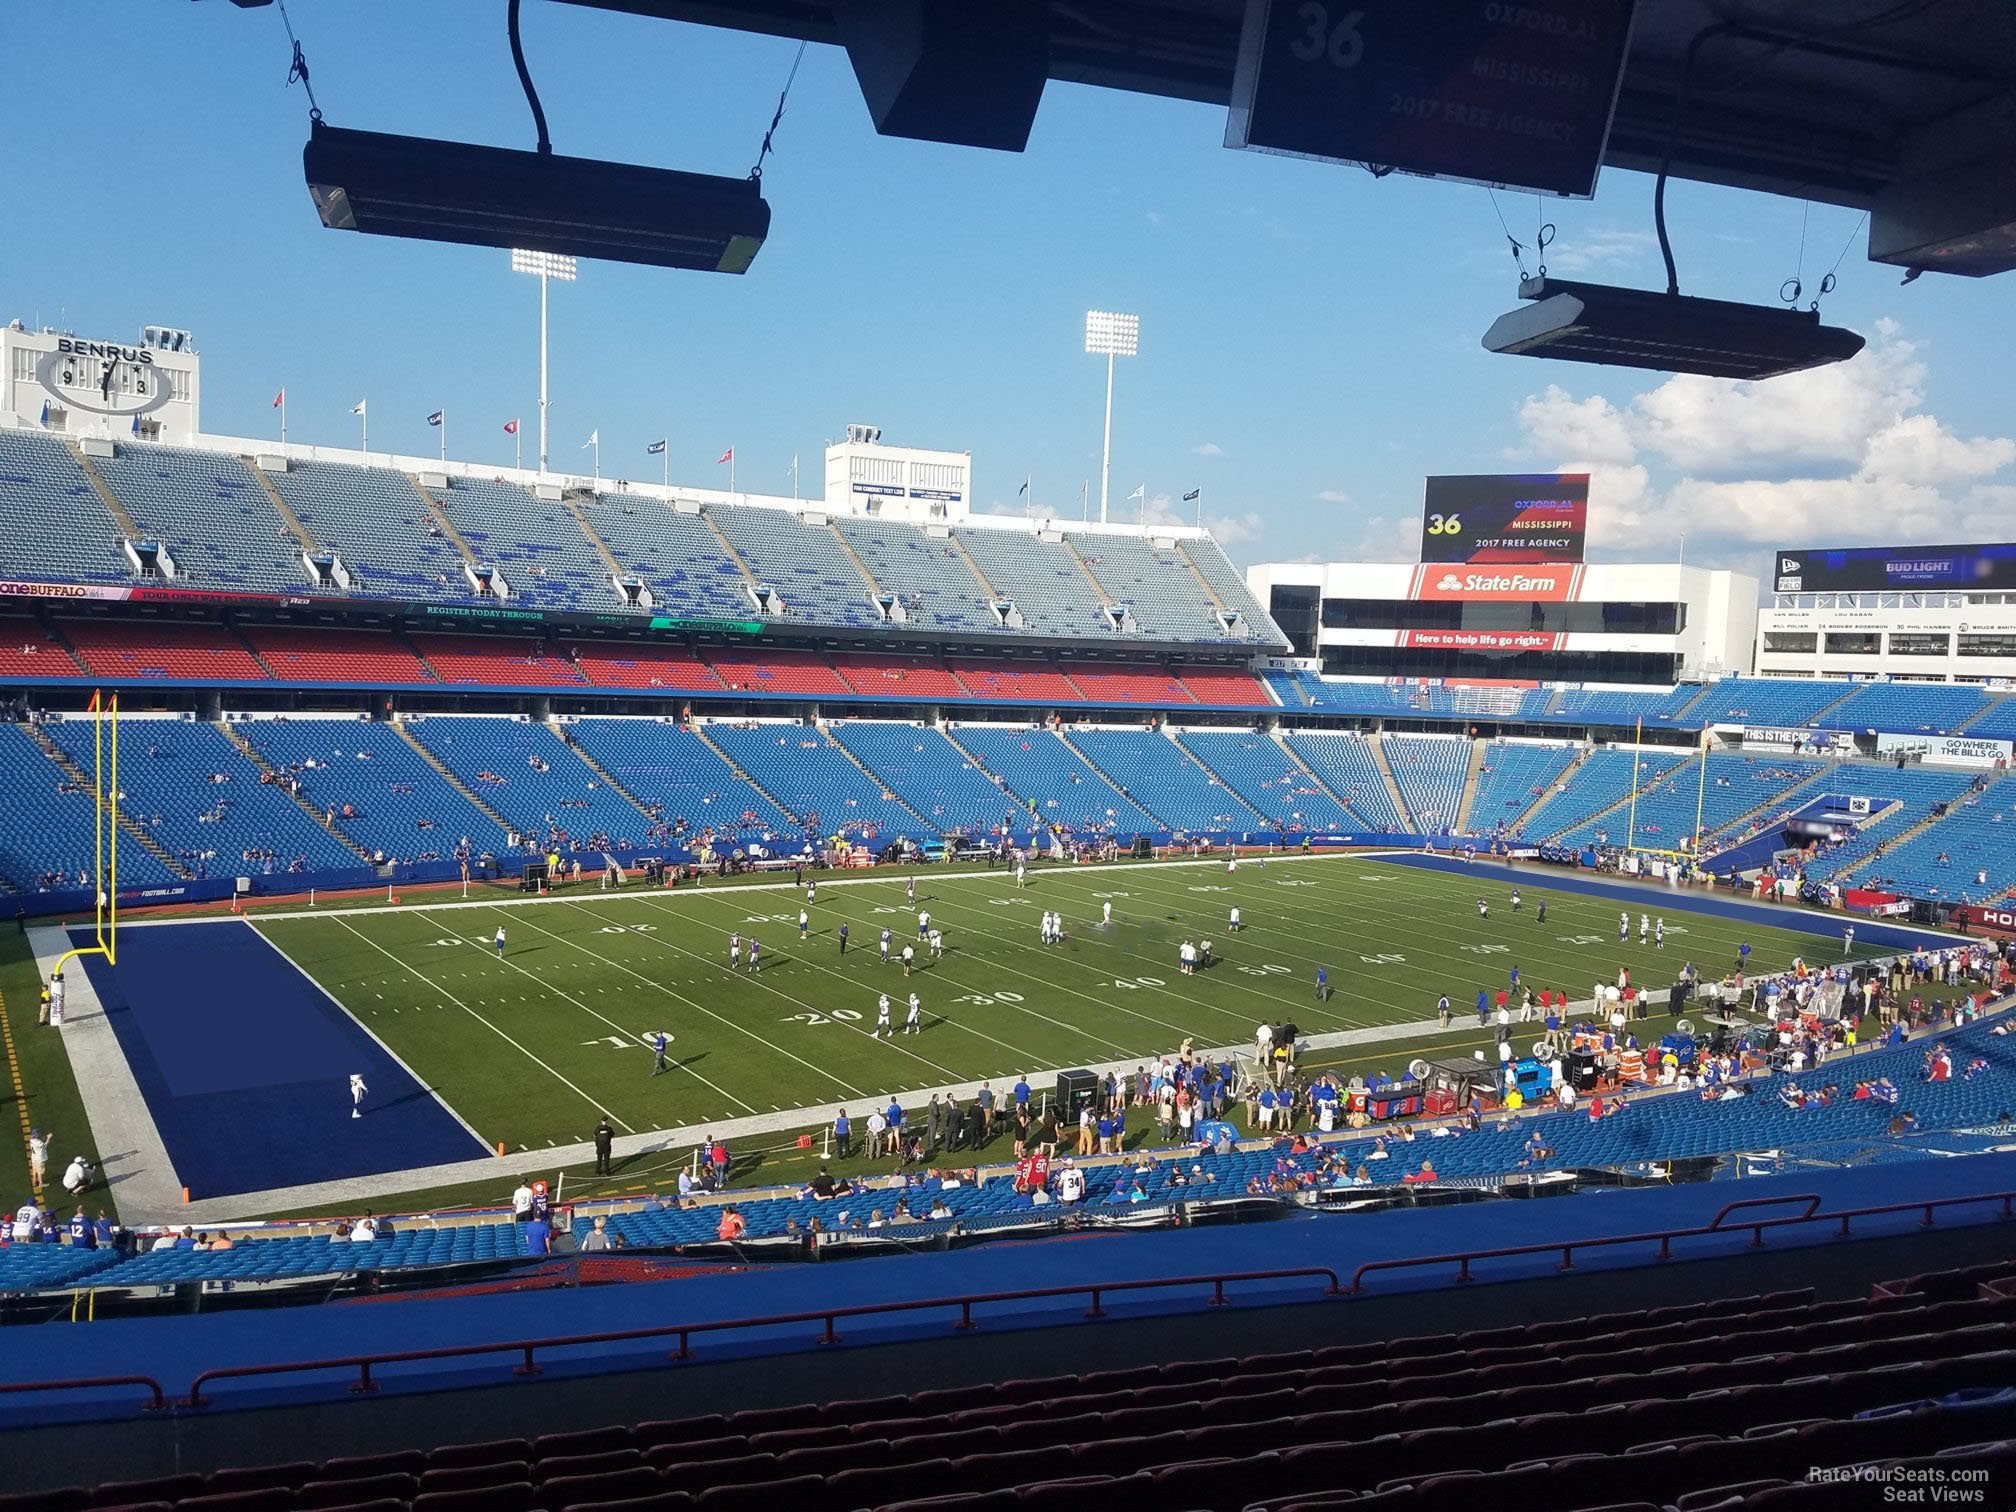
{"x":1309,"y":336}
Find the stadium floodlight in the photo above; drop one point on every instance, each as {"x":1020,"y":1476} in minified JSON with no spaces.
{"x":545,"y":266}
{"x":1110,"y":334}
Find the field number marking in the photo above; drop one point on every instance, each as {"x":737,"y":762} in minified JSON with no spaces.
{"x":1489,"y":949}
{"x":1387,"y":959}
{"x":989,"y":999}
{"x":840,"y":1015}
{"x":1268,"y":968}
{"x":1131,"y":984}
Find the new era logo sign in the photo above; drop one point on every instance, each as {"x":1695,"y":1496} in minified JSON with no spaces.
{"x":1788,"y":564}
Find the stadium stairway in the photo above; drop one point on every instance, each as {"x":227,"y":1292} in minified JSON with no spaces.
{"x":1093,"y":767}
{"x":111,"y":501}
{"x":847,"y":550}
{"x":1078,"y":557}
{"x":272,"y":778}
{"x":54,"y":636}
{"x":437,"y":512}
{"x":888,"y":788}
{"x":1655,"y":772}
{"x":602,"y":774}
{"x":571,"y":503}
{"x":700,"y":733}
{"x":134,"y":829}
{"x":1471,"y":773}
{"x":1890,"y":843}
{"x":1308,"y":771}
{"x":750,"y":581}
{"x":303,"y":536}
{"x":448,"y":776}
{"x":994,"y":595}
{"x":1377,"y":746}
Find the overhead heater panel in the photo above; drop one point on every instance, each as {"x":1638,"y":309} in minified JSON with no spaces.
{"x":496,"y":197}
{"x":1667,"y":333}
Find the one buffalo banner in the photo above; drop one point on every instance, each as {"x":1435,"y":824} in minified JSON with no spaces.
{"x":1506,"y":517}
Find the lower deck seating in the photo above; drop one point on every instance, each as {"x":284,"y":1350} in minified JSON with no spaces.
{"x":46,"y":843}
{"x":1515,"y":777}
{"x":1430,"y":772}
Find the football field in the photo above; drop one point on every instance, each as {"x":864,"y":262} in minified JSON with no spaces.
{"x":530,"y":1047}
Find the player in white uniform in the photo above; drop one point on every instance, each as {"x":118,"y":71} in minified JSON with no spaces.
{"x":885,"y":946}
{"x":804,"y":923}
{"x":937,"y":942}
{"x":1623,"y":927}
{"x":357,"y":1091}
{"x":1659,"y":931}
{"x":1021,"y":875}
{"x":1106,"y":918}
{"x":499,"y":942}
{"x":1644,"y":928}
{"x":913,"y":1022}
{"x":1483,"y":908}
{"x":735,"y":952}
{"x":923,"y":922}
{"x":882,"y":1019}
{"x":1233,"y":923}
{"x":1231,"y":866}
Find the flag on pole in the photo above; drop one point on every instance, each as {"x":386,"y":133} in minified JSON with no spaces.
{"x":726,"y":456}
{"x":1023,"y":489}
{"x":594,"y":438}
{"x":1194,"y":494}
{"x":510,"y":427}
{"x":279,"y":399}
{"x":136,"y":425}
{"x":655,"y":449}
{"x":45,"y":412}
{"x":358,"y":407}
{"x":437,"y":417}
{"x":1140,"y":493}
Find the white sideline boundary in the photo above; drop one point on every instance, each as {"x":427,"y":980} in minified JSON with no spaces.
{"x":149,"y":1192}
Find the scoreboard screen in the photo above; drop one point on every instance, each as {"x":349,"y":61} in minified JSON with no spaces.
{"x":1483,"y":91}
{"x":1498,"y":517}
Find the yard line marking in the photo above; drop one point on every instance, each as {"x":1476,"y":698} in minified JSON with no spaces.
{"x":397,"y":1059}
{"x":718,"y":1018}
{"x":627,"y":1034}
{"x":945,"y":1018}
{"x":476,"y":1016}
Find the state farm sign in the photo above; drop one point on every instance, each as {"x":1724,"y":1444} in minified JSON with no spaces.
{"x":1552,"y":582}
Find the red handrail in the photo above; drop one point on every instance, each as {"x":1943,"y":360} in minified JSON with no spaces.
{"x":1665,"y":1238}
{"x":158,"y":1400}
{"x":528,"y":1348}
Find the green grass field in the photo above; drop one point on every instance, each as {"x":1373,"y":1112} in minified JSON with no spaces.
{"x":533,"y":1047}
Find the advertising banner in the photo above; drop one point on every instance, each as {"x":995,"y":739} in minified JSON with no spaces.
{"x":2000,"y":920}
{"x":1870,"y":568}
{"x":1497,"y":517}
{"x":1481,"y":640}
{"x":1945,"y":750}
{"x":1553,"y":583}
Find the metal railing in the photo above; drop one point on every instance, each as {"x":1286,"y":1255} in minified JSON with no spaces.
{"x":829,"y":1317}
{"x":157,"y":1398}
{"x":1664,"y":1238}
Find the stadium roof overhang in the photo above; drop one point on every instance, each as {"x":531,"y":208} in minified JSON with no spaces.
{"x":1905,"y":108}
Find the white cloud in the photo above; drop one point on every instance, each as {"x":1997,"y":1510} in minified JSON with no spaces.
{"x":1841,"y":454}
{"x":1233,"y":530}
{"x":1208,"y":449}
{"x":1333,"y":496}
{"x":1589,"y":429}
{"x":1586,"y":251}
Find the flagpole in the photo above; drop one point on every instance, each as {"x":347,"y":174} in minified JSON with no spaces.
{"x":731,"y":474}
{"x":364,"y":424}
{"x":794,"y":477}
{"x":1200,"y":508}
{"x":1084,"y":502}
{"x":518,"y":448}
{"x":665,"y":464}
{"x":283,"y":417}
{"x":444,"y":435}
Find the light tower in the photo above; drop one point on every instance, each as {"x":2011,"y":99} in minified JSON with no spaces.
{"x":1109,"y":335}
{"x":546,"y":266}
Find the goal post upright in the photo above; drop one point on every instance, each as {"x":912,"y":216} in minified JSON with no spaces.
{"x":104,"y":834}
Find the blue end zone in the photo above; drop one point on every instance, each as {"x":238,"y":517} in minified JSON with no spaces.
{"x":1538,"y":877}
{"x":245,"y":1065}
